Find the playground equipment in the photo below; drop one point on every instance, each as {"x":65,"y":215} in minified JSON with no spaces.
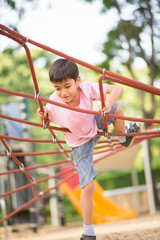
{"x":104,"y":209}
{"x":30,"y":215}
{"x":112,"y":146}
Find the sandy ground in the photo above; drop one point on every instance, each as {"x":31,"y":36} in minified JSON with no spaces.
{"x":142,"y":228}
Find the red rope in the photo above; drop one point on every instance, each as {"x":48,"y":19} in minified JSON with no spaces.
{"x":113,"y":76}
{"x":11,"y":154}
{"x":99,"y":134}
{"x":38,"y":181}
{"x":36,"y":198}
{"x":75,"y":109}
{"x":34,"y":167}
{"x":30,"y":139}
{"x":36,"y":153}
{"x":149,"y":133}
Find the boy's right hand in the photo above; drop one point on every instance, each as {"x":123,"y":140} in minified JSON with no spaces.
{"x":42,"y":115}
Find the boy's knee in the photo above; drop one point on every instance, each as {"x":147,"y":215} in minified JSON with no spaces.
{"x":89,"y":188}
{"x":119,"y":109}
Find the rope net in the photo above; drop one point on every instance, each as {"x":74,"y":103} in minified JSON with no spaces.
{"x":111,"y":146}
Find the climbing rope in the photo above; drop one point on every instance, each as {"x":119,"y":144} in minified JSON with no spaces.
{"x":111,"y":146}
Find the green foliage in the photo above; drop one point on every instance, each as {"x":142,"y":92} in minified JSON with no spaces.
{"x":47,"y":213}
{"x":1,"y":224}
{"x":107,"y":5}
{"x":11,"y":4}
{"x":90,"y":1}
{"x":16,"y":75}
{"x":116,"y":44}
{"x":155,"y":149}
{"x":70,"y":213}
{"x":135,"y":29}
{"x":113,"y":180}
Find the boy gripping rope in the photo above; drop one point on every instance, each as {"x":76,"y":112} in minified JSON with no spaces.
{"x":69,"y":90}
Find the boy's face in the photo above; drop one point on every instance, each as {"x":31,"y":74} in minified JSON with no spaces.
{"x":68,"y":90}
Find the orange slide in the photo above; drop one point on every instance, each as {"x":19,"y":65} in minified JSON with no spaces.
{"x":104,"y":209}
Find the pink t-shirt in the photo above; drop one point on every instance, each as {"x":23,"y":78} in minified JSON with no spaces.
{"x":82,"y":126}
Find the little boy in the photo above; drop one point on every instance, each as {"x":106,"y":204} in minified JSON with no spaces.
{"x":69,"y":90}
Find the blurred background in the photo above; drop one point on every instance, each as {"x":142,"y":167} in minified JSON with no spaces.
{"x":122,"y":36}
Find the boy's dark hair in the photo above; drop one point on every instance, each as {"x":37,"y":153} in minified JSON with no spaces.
{"x":62,"y":69}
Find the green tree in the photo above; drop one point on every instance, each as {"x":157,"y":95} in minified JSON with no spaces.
{"x":15,"y":71}
{"x":15,"y":75}
{"x":135,"y":39}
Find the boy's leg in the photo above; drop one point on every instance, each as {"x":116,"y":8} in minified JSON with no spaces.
{"x":83,"y":158}
{"x":119,"y":124}
{"x":87,"y":202}
{"x":87,"y":211}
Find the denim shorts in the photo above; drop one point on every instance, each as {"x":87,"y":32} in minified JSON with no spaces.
{"x":83,"y":154}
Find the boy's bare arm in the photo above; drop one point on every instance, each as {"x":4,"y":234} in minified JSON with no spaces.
{"x":114,"y":91}
{"x":43,"y":115}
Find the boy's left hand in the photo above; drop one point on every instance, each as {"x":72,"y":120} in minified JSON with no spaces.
{"x":107,"y":108}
